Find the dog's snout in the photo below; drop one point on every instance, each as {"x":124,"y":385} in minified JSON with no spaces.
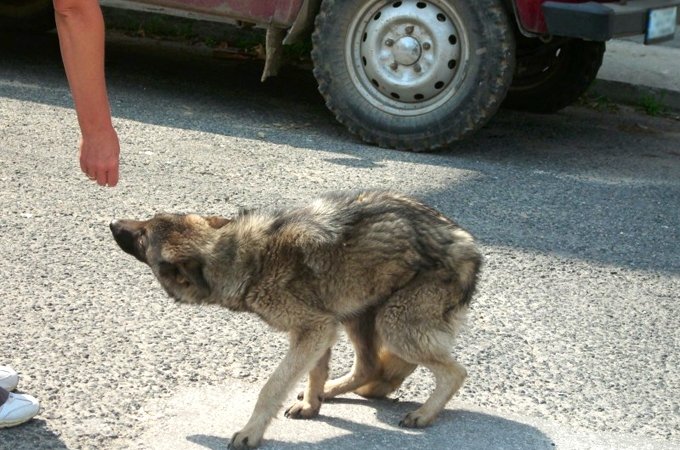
{"x":126,"y":232}
{"x":122,"y":235}
{"x":119,"y":231}
{"x":114,"y":226}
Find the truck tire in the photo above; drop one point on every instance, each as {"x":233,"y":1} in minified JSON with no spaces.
{"x":26,"y":15}
{"x":413,"y":75}
{"x":551,"y":76}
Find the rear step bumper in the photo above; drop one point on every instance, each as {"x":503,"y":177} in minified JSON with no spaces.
{"x":602,"y":21}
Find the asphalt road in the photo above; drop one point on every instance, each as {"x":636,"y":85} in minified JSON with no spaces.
{"x":576,"y":325}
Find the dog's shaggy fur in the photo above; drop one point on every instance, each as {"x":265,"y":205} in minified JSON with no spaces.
{"x":396,"y":273}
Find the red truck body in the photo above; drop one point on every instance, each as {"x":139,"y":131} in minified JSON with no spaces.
{"x":593,"y":20}
{"x":530,"y":14}
{"x":419,"y":74}
{"x":274,"y":12}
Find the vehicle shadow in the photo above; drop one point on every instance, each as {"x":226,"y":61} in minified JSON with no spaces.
{"x":453,"y":429}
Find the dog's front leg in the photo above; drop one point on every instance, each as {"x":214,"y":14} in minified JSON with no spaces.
{"x":306,"y":348}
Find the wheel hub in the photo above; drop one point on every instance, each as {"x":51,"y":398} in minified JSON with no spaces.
{"x":406,"y":51}
{"x":409,"y":51}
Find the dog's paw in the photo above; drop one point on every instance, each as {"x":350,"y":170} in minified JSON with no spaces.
{"x":303,"y":410}
{"x":415,"y":419}
{"x":243,"y":440}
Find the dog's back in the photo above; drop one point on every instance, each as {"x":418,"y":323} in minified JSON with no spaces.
{"x":363,"y":246}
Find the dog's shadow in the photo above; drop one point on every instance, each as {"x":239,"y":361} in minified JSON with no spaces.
{"x":453,"y":429}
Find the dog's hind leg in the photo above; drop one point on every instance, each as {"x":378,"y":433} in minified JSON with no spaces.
{"x":307,"y":346}
{"x":449,"y":375}
{"x":393,"y":371}
{"x":361,"y":332}
{"x":419,"y":324}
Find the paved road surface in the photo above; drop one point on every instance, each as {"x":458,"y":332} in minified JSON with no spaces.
{"x":574,"y":335}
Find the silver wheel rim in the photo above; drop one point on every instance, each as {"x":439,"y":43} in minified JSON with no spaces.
{"x":407,"y":57}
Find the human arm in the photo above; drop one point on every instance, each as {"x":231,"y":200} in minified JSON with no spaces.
{"x":80,"y":26}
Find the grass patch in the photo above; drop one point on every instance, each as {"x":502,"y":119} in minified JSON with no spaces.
{"x":653,"y":105}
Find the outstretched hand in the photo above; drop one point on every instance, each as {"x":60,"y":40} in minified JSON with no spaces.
{"x":99,"y":157}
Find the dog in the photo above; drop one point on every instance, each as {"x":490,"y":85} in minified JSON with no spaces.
{"x":395,"y":273}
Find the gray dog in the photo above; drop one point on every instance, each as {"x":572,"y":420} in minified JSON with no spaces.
{"x":396,"y":273}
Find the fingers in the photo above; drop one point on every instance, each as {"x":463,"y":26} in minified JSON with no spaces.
{"x":103,"y":177}
{"x":112,"y":177}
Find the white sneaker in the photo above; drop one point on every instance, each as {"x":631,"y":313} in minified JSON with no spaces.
{"x":18,"y":408}
{"x":8,"y":378}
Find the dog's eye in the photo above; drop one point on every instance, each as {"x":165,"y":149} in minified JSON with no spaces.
{"x":141,"y":241}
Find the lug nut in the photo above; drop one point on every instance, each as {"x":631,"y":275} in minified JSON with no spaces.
{"x":417,"y":68}
{"x":409,"y":29}
{"x":394,"y":66}
{"x":426,"y":45}
{"x":389,"y":42}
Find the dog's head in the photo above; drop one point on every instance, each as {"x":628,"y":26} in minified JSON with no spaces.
{"x":175,"y":247}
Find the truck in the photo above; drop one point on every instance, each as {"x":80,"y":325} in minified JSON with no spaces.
{"x":419,"y":74}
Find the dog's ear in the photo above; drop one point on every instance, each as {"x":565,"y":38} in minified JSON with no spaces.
{"x":131,"y":237}
{"x":216,"y":221}
{"x":190,"y":271}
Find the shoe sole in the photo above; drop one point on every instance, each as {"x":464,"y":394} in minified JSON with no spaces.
{"x":16,"y":422}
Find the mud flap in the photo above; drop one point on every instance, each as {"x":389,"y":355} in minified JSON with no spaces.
{"x":274,"y":52}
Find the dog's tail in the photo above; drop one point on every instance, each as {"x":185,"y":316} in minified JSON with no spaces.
{"x":443,"y":246}
{"x":452,"y":253}
{"x":393,"y":371}
{"x":464,"y":260}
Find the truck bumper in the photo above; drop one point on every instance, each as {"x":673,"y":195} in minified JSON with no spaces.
{"x":603,"y":21}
